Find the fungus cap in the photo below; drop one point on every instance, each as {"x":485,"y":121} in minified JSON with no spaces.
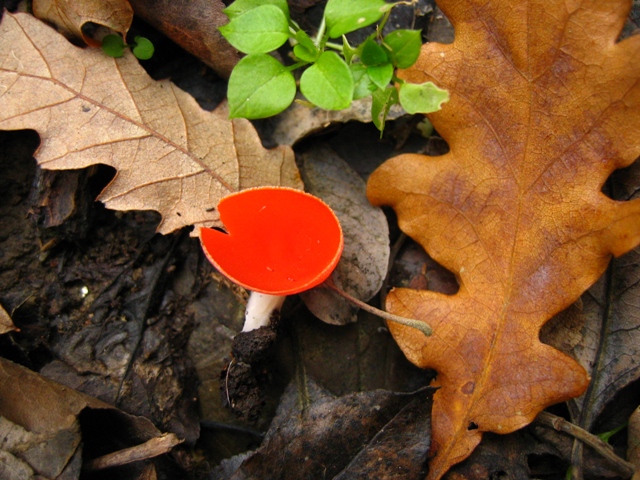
{"x":279,"y":240}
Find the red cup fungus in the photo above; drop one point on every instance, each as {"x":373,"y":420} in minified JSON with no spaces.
{"x":279,"y":241}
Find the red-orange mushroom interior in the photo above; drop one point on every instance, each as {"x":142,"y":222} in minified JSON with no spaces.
{"x":279,"y":240}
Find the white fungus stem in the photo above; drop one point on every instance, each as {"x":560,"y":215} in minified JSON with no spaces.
{"x":259,"y":309}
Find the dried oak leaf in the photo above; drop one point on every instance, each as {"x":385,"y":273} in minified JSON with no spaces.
{"x":70,"y":16}
{"x":171,"y":156}
{"x":544,"y":106}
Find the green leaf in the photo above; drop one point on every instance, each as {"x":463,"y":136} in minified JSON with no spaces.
{"x":381,"y":74}
{"x":422,"y":98}
{"x":404,"y":47}
{"x":259,"y":30}
{"x":305,"y":40}
{"x":239,"y":7}
{"x":113,"y":45}
{"x":306,"y":50}
{"x":347,"y":50}
{"x":372,"y":53}
{"x":383,"y":100}
{"x":328,"y":83}
{"x":344,"y":16}
{"x":304,"y":54}
{"x":259,"y":87}
{"x":362,"y":84}
{"x":144,"y":48}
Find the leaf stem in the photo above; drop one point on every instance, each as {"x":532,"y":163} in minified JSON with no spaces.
{"x":408,"y":322}
{"x":335,"y":46}
{"x":321,"y":29}
{"x":383,"y":22}
{"x":296,"y":65}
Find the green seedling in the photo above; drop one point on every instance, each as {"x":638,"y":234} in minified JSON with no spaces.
{"x":334,"y":74}
{"x":605,"y":436}
{"x":114,"y":46}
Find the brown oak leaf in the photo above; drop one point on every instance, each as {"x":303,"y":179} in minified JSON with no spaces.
{"x":545,"y":104}
{"x":70,"y":16}
{"x":171,"y":156}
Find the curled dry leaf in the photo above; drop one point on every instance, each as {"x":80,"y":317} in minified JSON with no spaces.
{"x":69,"y":16}
{"x":365,"y":257}
{"x":171,"y":156}
{"x":192,"y":24}
{"x":544,"y":106}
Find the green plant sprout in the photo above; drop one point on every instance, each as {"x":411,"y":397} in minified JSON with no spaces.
{"x":335,"y":74}
{"x":114,"y":46}
{"x":605,"y":436}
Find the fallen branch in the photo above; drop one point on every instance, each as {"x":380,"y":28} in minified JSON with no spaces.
{"x":602,"y":448}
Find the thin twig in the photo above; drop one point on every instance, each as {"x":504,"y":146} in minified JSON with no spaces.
{"x":152,"y":448}
{"x":226,"y":381}
{"x":408,"y":322}
{"x":602,"y":448}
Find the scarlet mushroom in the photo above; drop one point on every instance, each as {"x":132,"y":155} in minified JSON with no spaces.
{"x":279,"y":241}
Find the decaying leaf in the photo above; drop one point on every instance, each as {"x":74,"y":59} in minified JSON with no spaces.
{"x":194,"y":26}
{"x":544,"y":106}
{"x":503,"y":456}
{"x":374,"y":434}
{"x":365,"y":257}
{"x":171,"y":156}
{"x":69,"y":16}
{"x":40,"y":426}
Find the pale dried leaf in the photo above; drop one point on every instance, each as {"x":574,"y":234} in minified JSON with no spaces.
{"x":6,"y":324}
{"x":365,"y":258}
{"x":298,"y":121}
{"x":171,"y":156}
{"x":12,"y":467}
{"x":69,"y":16}
{"x":47,"y":454}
